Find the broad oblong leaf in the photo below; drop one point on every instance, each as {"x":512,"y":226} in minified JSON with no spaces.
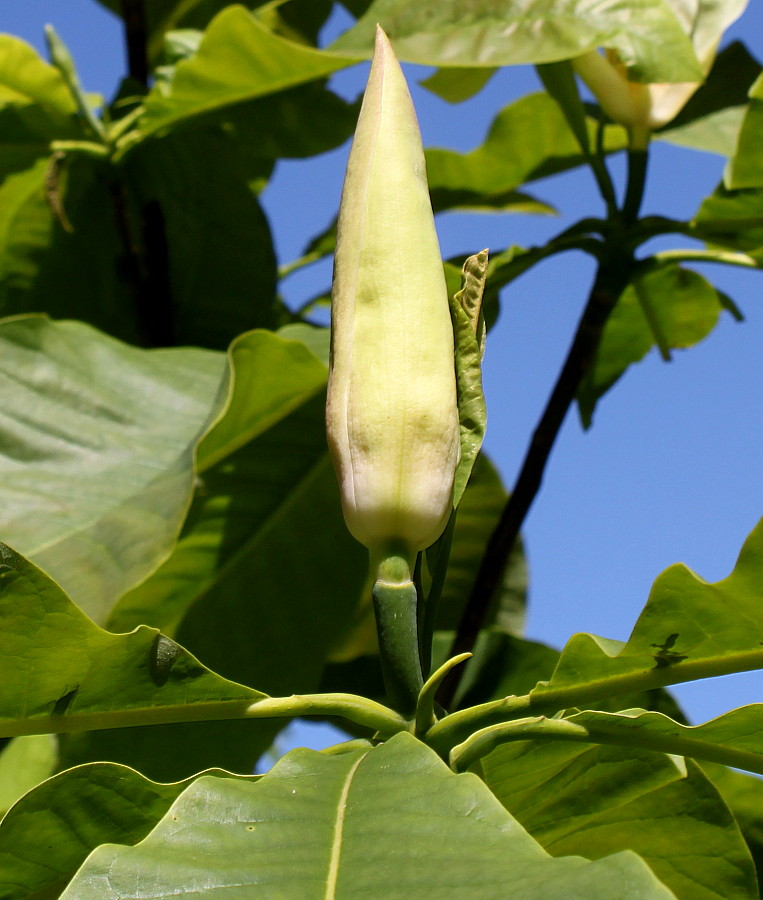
{"x":606,"y":799}
{"x":732,"y":219}
{"x":670,"y":307}
{"x":265,"y":578}
{"x":62,"y":672}
{"x":97,"y":452}
{"x":76,"y":810}
{"x":194,"y":190}
{"x":528,"y":140}
{"x":349,"y":824}
{"x":239,"y":59}
{"x":647,"y":35}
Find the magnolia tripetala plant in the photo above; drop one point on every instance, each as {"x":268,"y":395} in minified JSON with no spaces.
{"x":392,"y":416}
{"x":643,"y":107}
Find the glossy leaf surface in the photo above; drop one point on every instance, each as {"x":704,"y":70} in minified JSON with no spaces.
{"x":97,"y":452}
{"x":606,"y":799}
{"x":334,"y":825}
{"x":646,"y":33}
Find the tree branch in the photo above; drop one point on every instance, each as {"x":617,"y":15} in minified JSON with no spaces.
{"x":136,"y":38}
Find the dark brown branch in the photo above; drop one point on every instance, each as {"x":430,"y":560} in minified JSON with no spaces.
{"x":611,"y":279}
{"x":136,"y":38}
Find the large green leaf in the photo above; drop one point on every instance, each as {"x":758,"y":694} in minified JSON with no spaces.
{"x":350,"y":824}
{"x":24,"y":763}
{"x":746,"y":167}
{"x":688,"y":630}
{"x":670,"y":307}
{"x":733,"y":219}
{"x":594,"y":801}
{"x":26,"y":80}
{"x":36,"y":107}
{"x":61,"y":672}
{"x":96,"y":452}
{"x":239,"y":59}
{"x":744,"y":796}
{"x":646,"y":33}
{"x":265,"y":578}
{"x":204,"y":234}
{"x":478,"y":514}
{"x":529,"y":139}
{"x":46,"y":837}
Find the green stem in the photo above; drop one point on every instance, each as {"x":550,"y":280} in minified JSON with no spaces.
{"x":726,"y":257}
{"x":483,"y":742}
{"x":395,"y":602}
{"x":634,"y":193}
{"x":428,"y":609}
{"x":355,"y":709}
{"x":547,"y":699}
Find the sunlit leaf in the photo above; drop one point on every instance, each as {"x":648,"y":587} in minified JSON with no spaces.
{"x":528,"y":140}
{"x":97,"y":451}
{"x":733,"y":219}
{"x":713,"y":116}
{"x":75,"y":811}
{"x":606,"y":799}
{"x":744,"y":796}
{"x":647,"y":34}
{"x":334,"y":825}
{"x":457,"y":85}
{"x":233,"y":591}
{"x":62,"y":672}
{"x":239,"y":59}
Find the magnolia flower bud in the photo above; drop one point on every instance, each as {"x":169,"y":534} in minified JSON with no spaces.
{"x":392,"y":416}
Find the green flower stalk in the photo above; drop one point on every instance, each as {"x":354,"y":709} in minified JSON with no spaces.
{"x":392,"y":417}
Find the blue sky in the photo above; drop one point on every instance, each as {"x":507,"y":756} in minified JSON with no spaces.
{"x":671,"y":470}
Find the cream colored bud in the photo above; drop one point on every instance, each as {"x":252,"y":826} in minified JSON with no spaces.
{"x":392,"y":417}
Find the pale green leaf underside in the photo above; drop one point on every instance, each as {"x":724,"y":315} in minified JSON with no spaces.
{"x":646,"y":33}
{"x":96,"y":452}
{"x":76,"y":811}
{"x":388,"y":822}
{"x":528,"y":139}
{"x":239,"y":59}
{"x":605,"y":799}
{"x":61,"y":672}
{"x":26,"y":79}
